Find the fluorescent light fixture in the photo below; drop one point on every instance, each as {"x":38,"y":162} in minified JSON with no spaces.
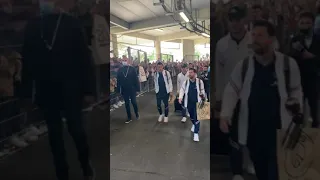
{"x":184,"y":17}
{"x":205,"y":35}
{"x":159,"y":30}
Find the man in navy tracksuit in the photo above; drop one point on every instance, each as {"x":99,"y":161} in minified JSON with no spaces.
{"x":192,"y":91}
{"x":163,"y":87}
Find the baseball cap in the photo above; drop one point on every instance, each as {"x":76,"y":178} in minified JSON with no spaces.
{"x":237,"y":12}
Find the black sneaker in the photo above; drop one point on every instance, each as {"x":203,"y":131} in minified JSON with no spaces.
{"x":138,"y":117}
{"x":128,"y":121}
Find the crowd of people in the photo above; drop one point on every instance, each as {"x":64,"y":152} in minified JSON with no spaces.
{"x":12,"y":117}
{"x":193,"y":86}
{"x":259,"y":86}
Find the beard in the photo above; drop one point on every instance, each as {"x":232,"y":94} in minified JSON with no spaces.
{"x":257,"y":48}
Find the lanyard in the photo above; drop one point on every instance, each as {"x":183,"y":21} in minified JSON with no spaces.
{"x":50,"y":46}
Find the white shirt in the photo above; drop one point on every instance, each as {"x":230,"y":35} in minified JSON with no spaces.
{"x":228,"y":54}
{"x":180,"y":79}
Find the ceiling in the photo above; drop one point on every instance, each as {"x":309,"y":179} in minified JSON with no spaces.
{"x":137,"y":10}
{"x":141,"y":18}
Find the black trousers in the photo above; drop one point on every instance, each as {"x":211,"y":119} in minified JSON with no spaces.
{"x":73,"y":115}
{"x":127,"y":96}
{"x":312,"y":95}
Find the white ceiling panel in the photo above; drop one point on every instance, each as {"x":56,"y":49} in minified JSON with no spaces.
{"x":138,"y":8}
{"x":121,"y":12}
{"x":198,"y":4}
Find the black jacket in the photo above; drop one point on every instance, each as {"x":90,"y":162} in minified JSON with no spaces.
{"x":309,"y":68}
{"x":206,"y":79}
{"x":127,"y":80}
{"x":64,"y":73}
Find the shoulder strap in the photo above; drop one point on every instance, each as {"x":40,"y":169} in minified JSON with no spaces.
{"x":167,"y":76}
{"x":244,"y":69}
{"x":286,"y":69}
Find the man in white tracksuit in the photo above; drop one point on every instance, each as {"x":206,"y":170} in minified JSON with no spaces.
{"x":163,"y":88}
{"x":182,"y":77}
{"x":231,"y":49}
{"x":192,"y":91}
{"x":255,"y":99}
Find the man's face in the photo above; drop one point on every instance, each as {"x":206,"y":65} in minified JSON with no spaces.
{"x":261,"y":40}
{"x":190,"y":65}
{"x":191,"y":74}
{"x":184,"y":70}
{"x":160,"y":67}
{"x":305,"y":24}
{"x":236,"y":25}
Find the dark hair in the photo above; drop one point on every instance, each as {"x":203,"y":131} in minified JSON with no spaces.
{"x":263,"y":23}
{"x":256,"y":6}
{"x":160,"y":63}
{"x":193,"y":69}
{"x":307,"y":15}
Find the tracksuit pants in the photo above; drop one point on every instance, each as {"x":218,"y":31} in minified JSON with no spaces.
{"x":165,"y":99}
{"x":192,"y":108}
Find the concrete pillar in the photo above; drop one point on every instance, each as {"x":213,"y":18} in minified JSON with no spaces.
{"x":114,"y":40}
{"x":188,"y":49}
{"x":157,"y":45}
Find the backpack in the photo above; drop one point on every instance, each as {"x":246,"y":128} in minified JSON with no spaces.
{"x":286,"y":69}
{"x":198,"y":83}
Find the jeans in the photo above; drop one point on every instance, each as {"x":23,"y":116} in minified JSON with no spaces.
{"x":165,"y":99}
{"x":192,"y":108}
{"x":127,"y":96}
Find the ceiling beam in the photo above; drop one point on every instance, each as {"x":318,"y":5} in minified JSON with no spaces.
{"x":142,"y":36}
{"x":178,"y":35}
{"x":202,"y":41}
{"x":158,"y":22}
{"x":119,"y":22}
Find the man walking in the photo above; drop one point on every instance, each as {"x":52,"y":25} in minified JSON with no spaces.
{"x":182,"y":77}
{"x":57,"y":59}
{"x":128,"y":86}
{"x":192,"y":91}
{"x":163,"y":88}
{"x":205,"y":78}
{"x":254,"y":102}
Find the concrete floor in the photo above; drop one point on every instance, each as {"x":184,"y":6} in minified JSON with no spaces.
{"x":141,"y":150}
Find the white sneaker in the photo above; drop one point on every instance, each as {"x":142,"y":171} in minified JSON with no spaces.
{"x":29,"y":137}
{"x":64,"y":120}
{"x":43,"y":129}
{"x":166,"y":119}
{"x":160,"y":118}
{"x":237,"y":177}
{"x":34,"y":131}
{"x":16,"y":141}
{"x":115,"y":106}
{"x":184,"y":119}
{"x":196,"y":137}
{"x":119,"y":104}
{"x":250,"y":169}
{"x":192,"y":128}
{"x":188,"y":114}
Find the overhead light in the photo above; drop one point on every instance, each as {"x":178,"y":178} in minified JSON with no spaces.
{"x":205,"y":35}
{"x":159,"y":30}
{"x":184,"y":17}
